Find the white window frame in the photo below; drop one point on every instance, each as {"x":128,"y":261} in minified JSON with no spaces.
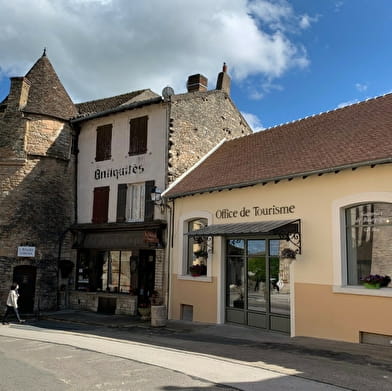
{"x":136,"y":195}
{"x":183,"y":272}
{"x":339,"y":207}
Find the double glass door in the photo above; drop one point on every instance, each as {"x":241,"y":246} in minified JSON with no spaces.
{"x":257,"y":284}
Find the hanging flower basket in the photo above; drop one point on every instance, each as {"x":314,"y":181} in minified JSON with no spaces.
{"x":288,"y":253}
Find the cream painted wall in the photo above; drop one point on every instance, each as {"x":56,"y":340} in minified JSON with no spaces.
{"x":313,"y":198}
{"x":153,"y":162}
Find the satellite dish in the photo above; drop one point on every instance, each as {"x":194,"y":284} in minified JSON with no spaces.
{"x":167,"y":92}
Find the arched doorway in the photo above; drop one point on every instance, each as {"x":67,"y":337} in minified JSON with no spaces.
{"x":25,"y":276}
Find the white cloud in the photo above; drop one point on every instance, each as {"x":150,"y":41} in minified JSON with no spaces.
{"x":253,"y":121}
{"x":106,"y":47}
{"x":361,"y":87}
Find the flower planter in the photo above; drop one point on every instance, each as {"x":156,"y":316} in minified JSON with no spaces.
{"x":158,"y":316}
{"x":372,"y":286}
{"x":144,"y":313}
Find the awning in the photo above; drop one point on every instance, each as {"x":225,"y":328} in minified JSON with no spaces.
{"x":275,"y":227}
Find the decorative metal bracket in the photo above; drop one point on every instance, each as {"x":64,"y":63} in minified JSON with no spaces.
{"x":293,"y":237}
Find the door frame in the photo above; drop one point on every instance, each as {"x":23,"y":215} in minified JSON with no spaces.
{"x":265,"y":320}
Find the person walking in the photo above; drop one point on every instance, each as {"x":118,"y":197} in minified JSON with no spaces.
{"x":12,"y":303}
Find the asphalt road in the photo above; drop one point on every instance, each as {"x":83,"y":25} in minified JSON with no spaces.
{"x":70,"y":356}
{"x":41,"y":366}
{"x":42,"y":358}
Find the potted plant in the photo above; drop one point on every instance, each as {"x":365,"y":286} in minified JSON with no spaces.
{"x":144,"y":310}
{"x":375,"y":281}
{"x":201,"y":254}
{"x":288,"y":253}
{"x":198,"y":270}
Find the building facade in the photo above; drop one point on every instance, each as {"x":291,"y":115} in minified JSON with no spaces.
{"x":316,"y":190}
{"x":128,"y":148}
{"x":78,"y":227}
{"x":37,"y":187}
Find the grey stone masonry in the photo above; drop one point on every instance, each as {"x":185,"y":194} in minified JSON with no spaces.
{"x":198,"y":122}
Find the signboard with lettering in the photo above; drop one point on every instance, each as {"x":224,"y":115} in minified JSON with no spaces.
{"x":26,"y":251}
{"x":255,"y":211}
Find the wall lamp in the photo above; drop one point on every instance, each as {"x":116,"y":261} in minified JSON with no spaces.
{"x":156,"y":197}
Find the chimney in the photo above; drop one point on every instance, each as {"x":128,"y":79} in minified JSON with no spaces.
{"x":197,"y":83}
{"x":223,"y":81}
{"x":19,"y":92}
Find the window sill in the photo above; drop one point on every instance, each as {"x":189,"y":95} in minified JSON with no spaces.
{"x":188,"y":277}
{"x":359,"y":290}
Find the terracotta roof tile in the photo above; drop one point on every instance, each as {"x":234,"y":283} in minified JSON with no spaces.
{"x":352,"y":135}
{"x":100,"y":105}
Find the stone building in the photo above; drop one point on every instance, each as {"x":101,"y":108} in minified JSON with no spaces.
{"x":37,"y":191}
{"x":130,"y":146}
{"x":49,"y":158}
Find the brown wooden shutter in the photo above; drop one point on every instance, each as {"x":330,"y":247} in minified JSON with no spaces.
{"x":148,"y":203}
{"x":104,"y":143}
{"x":138,"y":136}
{"x":101,"y":204}
{"x":121,"y":202}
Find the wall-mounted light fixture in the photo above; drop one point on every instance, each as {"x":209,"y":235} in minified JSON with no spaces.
{"x":157,"y":198}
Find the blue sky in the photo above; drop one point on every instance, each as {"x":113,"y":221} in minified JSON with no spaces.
{"x":287,"y":58}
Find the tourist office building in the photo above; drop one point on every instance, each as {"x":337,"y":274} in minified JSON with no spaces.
{"x":281,"y":229}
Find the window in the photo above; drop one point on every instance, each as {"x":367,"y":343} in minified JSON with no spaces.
{"x":104,"y":143}
{"x":138,"y":136}
{"x":368,"y":240}
{"x":137,"y":197}
{"x":110,"y":271}
{"x":101,"y":204}
{"x":134,"y":202}
{"x":197,"y":249}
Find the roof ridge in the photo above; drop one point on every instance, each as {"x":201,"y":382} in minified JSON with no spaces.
{"x":284,"y":124}
{"x":114,"y":96}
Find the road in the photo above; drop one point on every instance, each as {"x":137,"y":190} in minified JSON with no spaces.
{"x":38,"y":358}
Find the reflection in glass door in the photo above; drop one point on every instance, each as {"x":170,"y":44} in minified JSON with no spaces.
{"x":257,"y":284}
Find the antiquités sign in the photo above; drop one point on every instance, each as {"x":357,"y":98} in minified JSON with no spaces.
{"x":254,"y":211}
{"x":132,"y":169}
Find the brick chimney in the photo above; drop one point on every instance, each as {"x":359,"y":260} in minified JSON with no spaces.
{"x":223,"y":81}
{"x":19,"y":92}
{"x":197,"y":83}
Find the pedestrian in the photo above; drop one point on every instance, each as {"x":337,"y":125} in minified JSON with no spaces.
{"x":12,"y":303}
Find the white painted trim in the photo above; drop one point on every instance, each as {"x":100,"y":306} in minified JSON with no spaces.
{"x":339,"y":237}
{"x":292,"y":300}
{"x":221,"y":278}
{"x":187,"y":172}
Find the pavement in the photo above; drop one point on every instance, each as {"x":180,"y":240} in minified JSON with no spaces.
{"x":346,"y":365}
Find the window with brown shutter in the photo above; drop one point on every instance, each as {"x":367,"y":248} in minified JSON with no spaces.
{"x":101,"y":205}
{"x":138,"y":136}
{"x":104,"y":143}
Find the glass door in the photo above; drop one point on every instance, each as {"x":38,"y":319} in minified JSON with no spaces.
{"x":257,"y":284}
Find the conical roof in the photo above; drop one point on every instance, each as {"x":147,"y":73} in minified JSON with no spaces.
{"x":47,"y":95}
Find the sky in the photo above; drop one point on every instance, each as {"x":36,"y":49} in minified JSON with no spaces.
{"x":288,"y":59}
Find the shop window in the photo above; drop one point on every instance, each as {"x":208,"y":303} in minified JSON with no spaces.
{"x":100,"y":205}
{"x":110,"y":271}
{"x":138,"y":136}
{"x":104,"y":143}
{"x":197,"y":249}
{"x":368,"y":240}
{"x":134,"y":202}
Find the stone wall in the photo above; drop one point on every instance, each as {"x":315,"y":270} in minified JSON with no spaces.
{"x":37,"y":198}
{"x":198,"y":122}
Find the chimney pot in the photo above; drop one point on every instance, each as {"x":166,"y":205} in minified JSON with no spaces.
{"x":223,"y":82}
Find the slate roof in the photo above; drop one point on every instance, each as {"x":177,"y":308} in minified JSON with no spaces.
{"x":102,"y":105}
{"x":47,"y":95}
{"x":360,"y":134}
